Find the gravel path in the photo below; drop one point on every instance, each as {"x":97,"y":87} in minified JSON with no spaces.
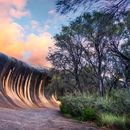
{"x":37,"y":119}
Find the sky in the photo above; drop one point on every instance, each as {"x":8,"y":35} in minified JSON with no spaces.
{"x":27,"y":28}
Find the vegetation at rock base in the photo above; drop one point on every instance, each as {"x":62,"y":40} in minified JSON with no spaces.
{"x":105,"y":110}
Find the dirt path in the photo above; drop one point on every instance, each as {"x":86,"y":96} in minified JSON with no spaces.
{"x":12,"y":118}
{"x":37,"y":119}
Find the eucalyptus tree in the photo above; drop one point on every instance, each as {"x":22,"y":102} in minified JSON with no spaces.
{"x":96,"y":33}
{"x":83,"y":44}
{"x":68,"y":54}
{"x":113,"y":6}
{"x":120,"y":40}
{"x":92,"y":43}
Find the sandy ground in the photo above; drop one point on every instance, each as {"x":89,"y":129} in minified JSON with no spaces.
{"x":37,"y":119}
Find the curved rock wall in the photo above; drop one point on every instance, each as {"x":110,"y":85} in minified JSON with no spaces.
{"x":22,"y":85}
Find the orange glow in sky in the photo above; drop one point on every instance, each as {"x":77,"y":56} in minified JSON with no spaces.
{"x":14,"y":41}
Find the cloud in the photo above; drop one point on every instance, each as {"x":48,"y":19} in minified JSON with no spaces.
{"x":38,"y":46}
{"x":13,"y":8}
{"x":34,"y":24}
{"x":11,"y":33}
{"x":54,"y":20}
{"x":18,"y":3}
{"x":18,"y":13}
{"x":34,"y":49}
{"x":10,"y":39}
{"x":52,"y":12}
{"x":11,"y":43}
{"x":46,"y":27}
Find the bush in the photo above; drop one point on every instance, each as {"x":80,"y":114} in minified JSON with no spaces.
{"x":128,"y":121}
{"x":77,"y":106}
{"x":64,"y":109}
{"x":89,"y":114}
{"x":102,"y":104}
{"x":85,"y":107}
{"x":120,"y":102}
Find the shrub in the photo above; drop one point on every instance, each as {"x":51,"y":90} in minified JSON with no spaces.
{"x":102,"y":104}
{"x":89,"y":114}
{"x":70,"y":105}
{"x":128,"y":121}
{"x":85,"y":107}
{"x":64,"y":109}
{"x":76,"y":106}
{"x":120,"y":102}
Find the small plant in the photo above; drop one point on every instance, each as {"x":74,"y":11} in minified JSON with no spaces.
{"x":89,"y":114}
{"x":64,"y":109}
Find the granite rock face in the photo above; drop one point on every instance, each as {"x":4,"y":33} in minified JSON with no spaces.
{"x":21,"y":84}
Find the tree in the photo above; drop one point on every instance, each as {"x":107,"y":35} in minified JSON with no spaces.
{"x":95,"y":48}
{"x":82,"y":45}
{"x":114,"y":6}
{"x":68,"y":54}
{"x":119,"y":44}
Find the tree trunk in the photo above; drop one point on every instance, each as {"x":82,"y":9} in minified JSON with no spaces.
{"x":101,"y":86}
{"x":78,"y":83}
{"x":78,"y":80}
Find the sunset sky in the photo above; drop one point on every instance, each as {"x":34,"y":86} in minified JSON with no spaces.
{"x":27,"y":28}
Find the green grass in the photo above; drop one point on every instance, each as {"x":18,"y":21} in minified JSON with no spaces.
{"x":113,"y":120}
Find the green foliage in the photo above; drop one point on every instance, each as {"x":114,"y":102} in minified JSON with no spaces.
{"x":64,"y":109}
{"x":87,"y":61}
{"x":60,"y":84}
{"x":89,"y":114}
{"x":120,"y":102}
{"x":112,"y":120}
{"x":81,"y":66}
{"x":78,"y":106}
{"x":88,"y":107}
{"x":102,"y":104}
{"x":128,"y":121}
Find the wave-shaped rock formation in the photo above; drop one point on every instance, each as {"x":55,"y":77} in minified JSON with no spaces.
{"x":22,"y":85}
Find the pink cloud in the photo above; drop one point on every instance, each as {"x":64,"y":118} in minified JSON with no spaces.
{"x":13,"y":8}
{"x":38,"y":46}
{"x":19,"y":3}
{"x":34,"y":24}
{"x":10,"y":39}
{"x":11,"y":43}
{"x":18,"y":13}
{"x":11,"y":35}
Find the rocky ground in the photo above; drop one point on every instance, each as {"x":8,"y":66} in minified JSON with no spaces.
{"x":37,"y":119}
